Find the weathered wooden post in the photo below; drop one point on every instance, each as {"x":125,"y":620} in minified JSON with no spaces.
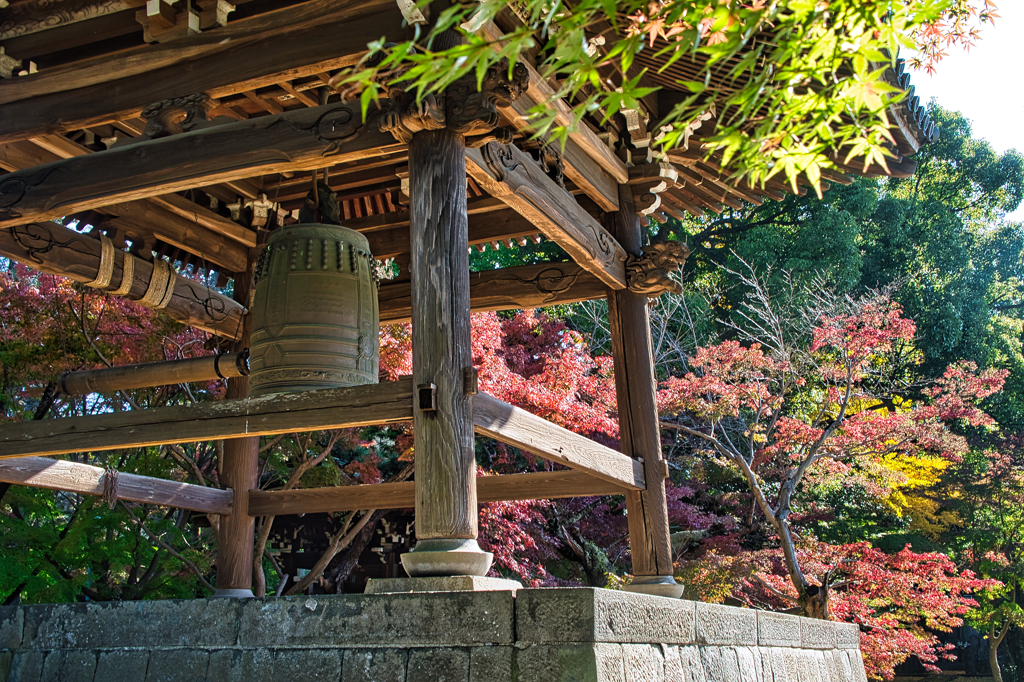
{"x":240,"y":472}
{"x":639,"y":431}
{"x":443,"y":376}
{"x":446,"y":509}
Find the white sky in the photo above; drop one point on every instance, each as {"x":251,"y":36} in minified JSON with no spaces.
{"x":985,"y":84}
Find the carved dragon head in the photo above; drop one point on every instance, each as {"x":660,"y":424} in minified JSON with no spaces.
{"x":501,"y":89}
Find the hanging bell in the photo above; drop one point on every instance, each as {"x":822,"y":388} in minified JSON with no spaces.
{"x":314,"y":313}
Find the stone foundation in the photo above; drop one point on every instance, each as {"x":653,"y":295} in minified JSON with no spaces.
{"x":545,"y":635}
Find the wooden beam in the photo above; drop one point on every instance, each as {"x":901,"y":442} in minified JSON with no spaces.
{"x":54,"y":474}
{"x":297,"y":140}
{"x":519,"y":428}
{"x":330,"y":409}
{"x":589,"y":163}
{"x":53,"y":248}
{"x":526,"y":286}
{"x":147,"y":218}
{"x":172,"y":218}
{"x":285,"y":44}
{"x":529,"y":286}
{"x":199,"y":215}
{"x":483,"y":229}
{"x":545,"y":485}
{"x":510,"y":174}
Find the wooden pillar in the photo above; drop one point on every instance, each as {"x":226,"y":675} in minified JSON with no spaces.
{"x":639,"y":430}
{"x":240,"y":472}
{"x":446,"y":507}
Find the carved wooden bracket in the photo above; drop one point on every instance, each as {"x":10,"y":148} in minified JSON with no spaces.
{"x":648,"y":181}
{"x":8,"y":64}
{"x":177,"y":115}
{"x":461,"y":108}
{"x":651,"y":272}
{"x":636,"y":124}
{"x":475,"y":112}
{"x":164,"y":20}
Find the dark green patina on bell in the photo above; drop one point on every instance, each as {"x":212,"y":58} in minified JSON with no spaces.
{"x":315,"y":317}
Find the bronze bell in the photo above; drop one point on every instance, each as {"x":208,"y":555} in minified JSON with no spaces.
{"x":314,"y":314}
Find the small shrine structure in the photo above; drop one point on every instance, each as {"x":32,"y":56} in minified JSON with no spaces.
{"x":187,"y":133}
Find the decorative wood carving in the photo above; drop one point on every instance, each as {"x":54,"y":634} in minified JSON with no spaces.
{"x":651,"y":272}
{"x":176,"y":115}
{"x":462,"y":108}
{"x":475,"y":112}
{"x":648,"y":181}
{"x":514,"y":177}
{"x":8,"y":64}
{"x":404,"y":116}
{"x":550,"y":159}
{"x":25,"y":18}
{"x":636,"y":124}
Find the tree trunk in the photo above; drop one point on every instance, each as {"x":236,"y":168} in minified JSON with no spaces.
{"x":993,"y":651}
{"x":814,"y":602}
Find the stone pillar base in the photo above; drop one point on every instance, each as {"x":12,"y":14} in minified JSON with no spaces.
{"x":454,"y":583}
{"x":657,"y":585}
{"x":455,"y":557}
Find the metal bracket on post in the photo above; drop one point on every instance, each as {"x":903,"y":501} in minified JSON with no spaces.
{"x":426,"y":397}
{"x":470,"y":381}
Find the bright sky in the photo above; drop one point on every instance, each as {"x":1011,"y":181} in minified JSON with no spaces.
{"x":984,"y":84}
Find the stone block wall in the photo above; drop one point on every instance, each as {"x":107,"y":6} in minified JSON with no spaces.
{"x":545,"y":635}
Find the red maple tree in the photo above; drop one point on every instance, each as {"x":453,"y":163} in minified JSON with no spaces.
{"x":778,"y":412}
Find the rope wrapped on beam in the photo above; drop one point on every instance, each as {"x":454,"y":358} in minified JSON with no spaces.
{"x":105,"y":271}
{"x":127,"y":276}
{"x":161,"y":285}
{"x":161,"y":282}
